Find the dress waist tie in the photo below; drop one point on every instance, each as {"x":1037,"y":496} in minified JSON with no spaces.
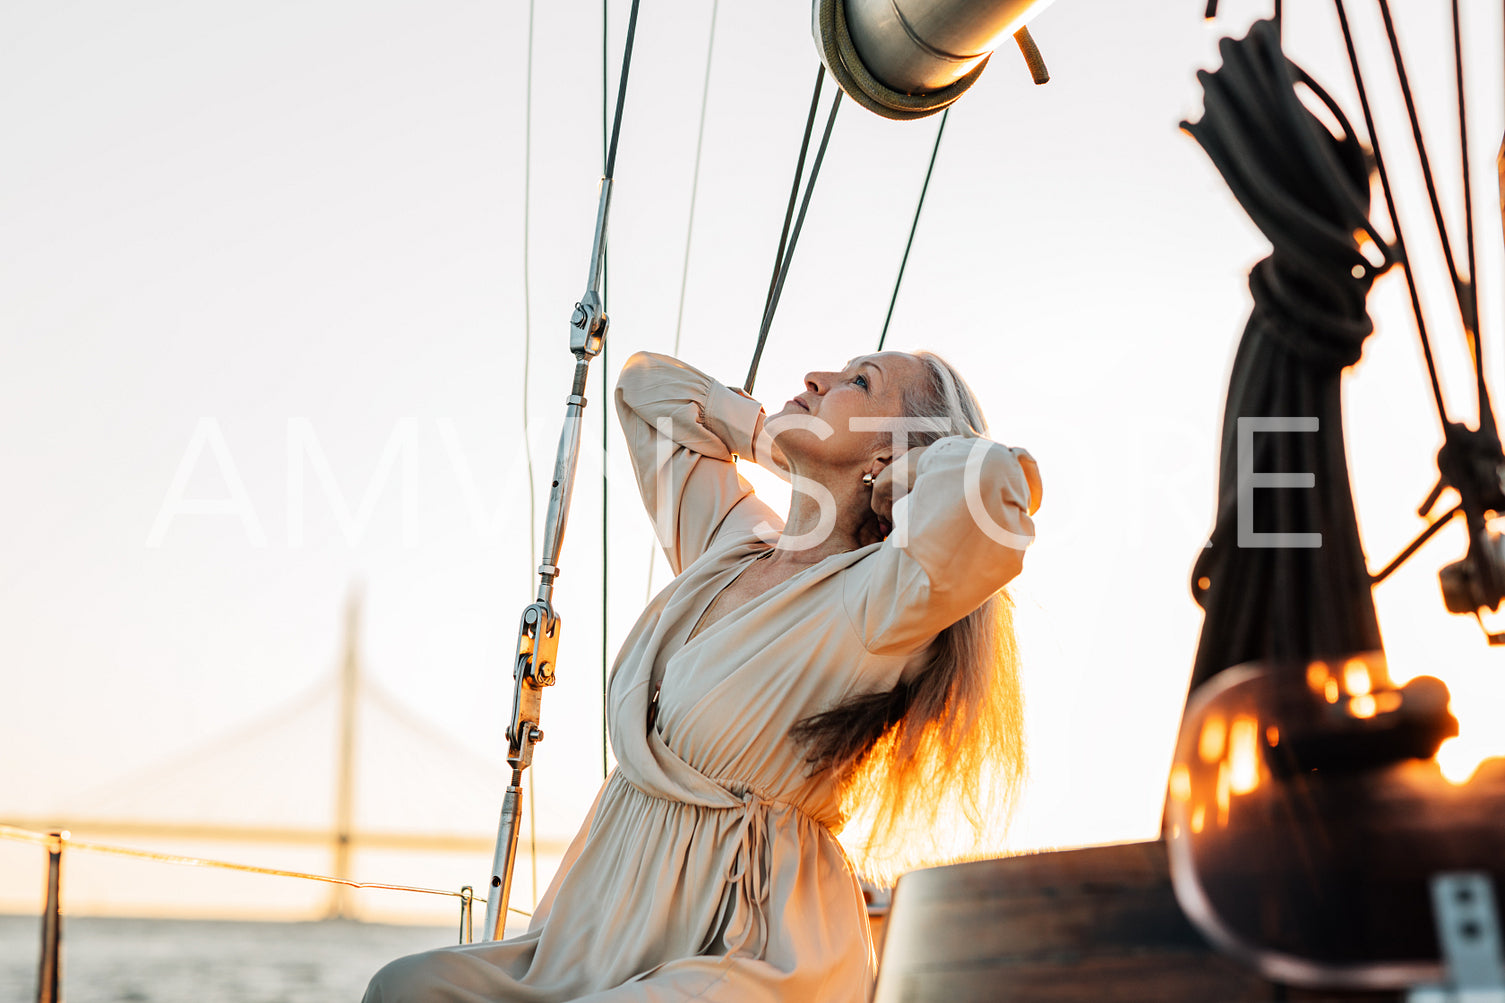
{"x":747,"y":926}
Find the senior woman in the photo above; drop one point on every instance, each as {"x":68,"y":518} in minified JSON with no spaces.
{"x":853,"y":657}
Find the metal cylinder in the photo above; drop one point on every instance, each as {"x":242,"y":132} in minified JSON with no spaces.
{"x":919,"y":46}
{"x":906,"y":59}
{"x":498,"y":898}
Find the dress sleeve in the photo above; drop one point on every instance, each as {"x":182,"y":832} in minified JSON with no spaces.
{"x":959,"y":536}
{"x":683,"y":431}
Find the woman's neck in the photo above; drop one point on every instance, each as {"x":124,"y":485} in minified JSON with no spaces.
{"x":813,"y":533}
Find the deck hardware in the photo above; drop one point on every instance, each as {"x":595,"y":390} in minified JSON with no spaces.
{"x":1468,"y":937}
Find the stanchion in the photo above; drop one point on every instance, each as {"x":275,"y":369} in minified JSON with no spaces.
{"x":467,"y":897}
{"x":48,"y":975}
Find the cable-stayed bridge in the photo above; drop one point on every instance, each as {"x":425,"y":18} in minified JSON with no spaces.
{"x":343,"y":766}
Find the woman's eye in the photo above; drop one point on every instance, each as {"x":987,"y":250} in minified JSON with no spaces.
{"x":860,"y":380}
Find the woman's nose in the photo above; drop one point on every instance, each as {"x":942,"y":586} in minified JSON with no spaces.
{"x":817,"y":382}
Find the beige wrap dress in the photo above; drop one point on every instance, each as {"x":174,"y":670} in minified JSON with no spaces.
{"x":708,"y":867}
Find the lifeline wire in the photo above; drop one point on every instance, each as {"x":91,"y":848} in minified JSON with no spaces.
{"x":28,"y":836}
{"x":794,"y":236}
{"x":913,"y":226}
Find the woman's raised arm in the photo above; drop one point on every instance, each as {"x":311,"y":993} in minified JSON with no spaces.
{"x":683,"y":430}
{"x":959,"y":536}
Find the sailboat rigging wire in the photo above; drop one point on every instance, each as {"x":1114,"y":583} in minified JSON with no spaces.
{"x":1415,"y":544}
{"x":913,"y":226}
{"x":794,"y":185}
{"x":684,"y":273}
{"x":527,"y":358}
{"x":616,"y":123}
{"x":527,"y":301}
{"x":1400,"y":240}
{"x":605,"y":96}
{"x":605,"y":382}
{"x":1486,"y":412}
{"x":611,"y":163}
{"x":1462,"y":288}
{"x":705,"y":93}
{"x":27,"y":836}
{"x":794,"y":236}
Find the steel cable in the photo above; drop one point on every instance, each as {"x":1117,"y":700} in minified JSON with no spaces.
{"x":684,"y":273}
{"x":1400,"y":239}
{"x":794,"y":185}
{"x":794,"y":235}
{"x":28,"y":836}
{"x":913,"y":226}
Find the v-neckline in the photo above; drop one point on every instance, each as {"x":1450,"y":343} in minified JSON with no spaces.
{"x":701,"y":626}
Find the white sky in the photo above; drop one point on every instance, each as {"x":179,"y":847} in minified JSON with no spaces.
{"x":279,"y":216}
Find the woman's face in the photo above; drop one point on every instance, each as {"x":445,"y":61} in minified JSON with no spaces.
{"x":871,"y":386}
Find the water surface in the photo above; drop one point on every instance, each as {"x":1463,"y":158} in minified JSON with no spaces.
{"x":109,"y":960}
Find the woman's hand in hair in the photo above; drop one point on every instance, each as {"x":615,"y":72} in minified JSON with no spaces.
{"x":886,"y":486}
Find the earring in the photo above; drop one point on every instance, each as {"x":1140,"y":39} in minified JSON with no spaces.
{"x":867,"y":480}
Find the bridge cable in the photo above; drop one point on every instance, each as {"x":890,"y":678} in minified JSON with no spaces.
{"x":913,"y":226}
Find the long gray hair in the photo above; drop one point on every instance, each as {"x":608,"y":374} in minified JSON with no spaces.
{"x":947,"y":746}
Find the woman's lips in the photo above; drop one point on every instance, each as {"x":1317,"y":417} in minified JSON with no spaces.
{"x":799,"y":403}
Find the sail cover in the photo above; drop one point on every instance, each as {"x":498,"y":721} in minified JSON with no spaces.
{"x":1283,"y":578}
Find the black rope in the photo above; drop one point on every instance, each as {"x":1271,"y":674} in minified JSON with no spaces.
{"x":788,"y":256}
{"x":794,"y":185}
{"x":1306,"y":186}
{"x":1401,"y":254}
{"x":913,"y":226}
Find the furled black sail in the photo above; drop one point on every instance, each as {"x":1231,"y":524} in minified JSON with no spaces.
{"x":1270,"y":590}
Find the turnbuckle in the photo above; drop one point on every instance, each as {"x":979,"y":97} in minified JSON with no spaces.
{"x":588,"y":325}
{"x":537,"y":649}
